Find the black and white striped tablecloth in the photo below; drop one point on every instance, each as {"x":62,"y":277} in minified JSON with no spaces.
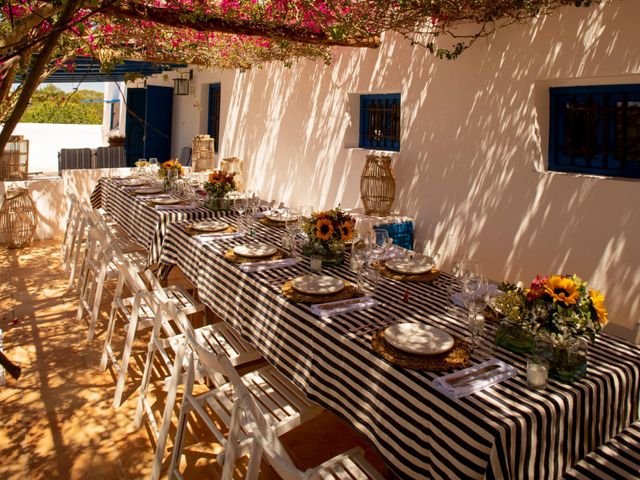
{"x":146,"y":224}
{"x":507,"y":431}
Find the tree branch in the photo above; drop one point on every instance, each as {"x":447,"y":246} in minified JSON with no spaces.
{"x":214,"y":23}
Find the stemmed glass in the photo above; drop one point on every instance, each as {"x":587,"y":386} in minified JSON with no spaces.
{"x":239,"y":205}
{"x":380,"y":244}
{"x":360,"y":251}
{"x":475,"y":293}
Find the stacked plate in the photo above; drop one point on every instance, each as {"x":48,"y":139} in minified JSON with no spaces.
{"x":410,"y":266}
{"x":282,"y":218}
{"x":317,"y":285}
{"x":210,"y":226}
{"x":418,"y":339}
{"x":255,"y":250}
{"x":166,"y":201}
{"x":147,"y":191}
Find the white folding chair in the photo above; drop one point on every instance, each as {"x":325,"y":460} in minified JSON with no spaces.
{"x":98,"y":267}
{"x":248,"y":418}
{"x":74,"y":240}
{"x":287,"y":406}
{"x":74,"y":204}
{"x":138,"y":311}
{"x":170,"y":346}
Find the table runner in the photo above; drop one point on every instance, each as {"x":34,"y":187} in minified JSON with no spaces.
{"x":507,"y":431}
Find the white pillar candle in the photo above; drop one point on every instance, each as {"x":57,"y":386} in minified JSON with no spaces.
{"x":536,"y":374}
{"x":315,"y":264}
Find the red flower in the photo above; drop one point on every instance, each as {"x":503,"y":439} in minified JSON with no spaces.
{"x":536,"y":289}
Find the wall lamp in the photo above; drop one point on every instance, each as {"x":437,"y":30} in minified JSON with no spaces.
{"x":181,"y":85}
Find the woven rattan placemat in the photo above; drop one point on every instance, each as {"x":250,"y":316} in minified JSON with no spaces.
{"x":422,"y":277}
{"x":349,"y":291}
{"x":456,"y":358}
{"x":232,"y":256}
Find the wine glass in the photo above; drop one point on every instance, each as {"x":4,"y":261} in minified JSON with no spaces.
{"x":240,"y":206}
{"x":381,"y":243}
{"x":475,"y":294}
{"x":359,"y":253}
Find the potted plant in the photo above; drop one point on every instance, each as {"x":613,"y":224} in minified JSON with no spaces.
{"x":327,"y":233}
{"x":217,"y":187}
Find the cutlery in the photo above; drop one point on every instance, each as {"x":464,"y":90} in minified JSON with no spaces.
{"x":340,"y":304}
{"x":455,"y":381}
{"x":472,"y":380}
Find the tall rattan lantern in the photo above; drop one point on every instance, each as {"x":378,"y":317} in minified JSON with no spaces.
{"x":14,"y":163}
{"x":377,"y":185}
{"x":17,"y":218}
{"x":202,"y":153}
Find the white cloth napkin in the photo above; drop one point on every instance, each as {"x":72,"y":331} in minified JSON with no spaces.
{"x":267,"y":265}
{"x":343,"y":306}
{"x":207,"y":237}
{"x":458,"y":299}
{"x":262,"y":214}
{"x":474,"y":384}
{"x":175,"y":207}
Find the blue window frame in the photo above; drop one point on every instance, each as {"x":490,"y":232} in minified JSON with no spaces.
{"x":595,"y":130}
{"x":213,"y":117}
{"x":380,"y":121}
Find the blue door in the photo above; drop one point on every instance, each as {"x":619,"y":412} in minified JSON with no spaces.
{"x":213,"y":122}
{"x":158,"y":115}
{"x":134,"y":128}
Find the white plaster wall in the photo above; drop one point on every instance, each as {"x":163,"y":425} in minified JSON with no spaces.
{"x":50,"y":194}
{"x":47,"y":139}
{"x":473,"y":149}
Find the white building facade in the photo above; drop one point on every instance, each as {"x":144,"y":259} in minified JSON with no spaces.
{"x":472,"y":167}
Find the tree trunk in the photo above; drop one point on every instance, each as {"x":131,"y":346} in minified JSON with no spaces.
{"x":33,"y":79}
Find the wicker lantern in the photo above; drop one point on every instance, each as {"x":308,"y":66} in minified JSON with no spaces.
{"x":234,"y":165}
{"x":202,"y":153}
{"x":377,"y":185}
{"x":14,"y":164}
{"x":17,"y":218}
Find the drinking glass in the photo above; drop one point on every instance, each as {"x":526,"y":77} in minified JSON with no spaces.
{"x":369,"y":283}
{"x":380,"y":244}
{"x":240,"y":206}
{"x":153,"y":163}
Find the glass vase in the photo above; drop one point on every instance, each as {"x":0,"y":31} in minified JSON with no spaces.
{"x":217,"y":204}
{"x":513,"y":337}
{"x":569,"y":360}
{"x":332,"y":254}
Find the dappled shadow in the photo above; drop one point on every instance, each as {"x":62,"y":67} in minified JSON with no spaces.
{"x":473,"y":146}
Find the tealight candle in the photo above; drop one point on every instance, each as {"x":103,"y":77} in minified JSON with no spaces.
{"x":315,"y":264}
{"x":536,"y":373}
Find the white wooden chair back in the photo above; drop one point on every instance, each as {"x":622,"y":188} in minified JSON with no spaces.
{"x":264,"y":436}
{"x":74,"y":204}
{"x":208,"y":359}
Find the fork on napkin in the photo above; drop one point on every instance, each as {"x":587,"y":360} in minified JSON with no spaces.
{"x":249,"y":267}
{"x":343,"y":306}
{"x":473,"y":379}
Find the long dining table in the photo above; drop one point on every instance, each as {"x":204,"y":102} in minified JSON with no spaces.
{"x":506,"y":431}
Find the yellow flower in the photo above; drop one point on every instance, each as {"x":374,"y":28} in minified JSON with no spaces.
{"x":346,"y":230}
{"x":562,"y":289}
{"x":324,"y":229}
{"x":597,"y":300}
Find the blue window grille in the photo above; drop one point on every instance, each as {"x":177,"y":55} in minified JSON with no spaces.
{"x":380,"y":121}
{"x":213,"y":122}
{"x":595,"y":130}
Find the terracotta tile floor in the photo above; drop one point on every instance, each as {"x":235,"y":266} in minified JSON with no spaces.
{"x":57,"y":420}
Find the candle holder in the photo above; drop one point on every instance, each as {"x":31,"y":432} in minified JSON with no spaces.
{"x":537,"y":372}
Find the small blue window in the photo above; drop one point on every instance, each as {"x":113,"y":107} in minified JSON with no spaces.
{"x":380,"y":121}
{"x":595,"y":130}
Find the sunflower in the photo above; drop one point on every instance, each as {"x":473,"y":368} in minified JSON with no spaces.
{"x":562,"y":289}
{"x":597,"y":300}
{"x":324,"y":229}
{"x":346,"y":230}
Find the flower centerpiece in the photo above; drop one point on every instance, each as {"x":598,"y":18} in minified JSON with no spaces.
{"x":559,"y":312}
{"x":170,"y":171}
{"x":217,"y":187}
{"x":327,"y":233}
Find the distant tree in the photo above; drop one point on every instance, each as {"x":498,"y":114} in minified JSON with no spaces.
{"x":52,"y":105}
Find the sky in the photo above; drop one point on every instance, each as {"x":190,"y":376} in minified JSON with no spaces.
{"x":68,"y":87}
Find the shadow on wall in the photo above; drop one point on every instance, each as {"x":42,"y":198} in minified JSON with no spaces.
{"x":473,"y":133}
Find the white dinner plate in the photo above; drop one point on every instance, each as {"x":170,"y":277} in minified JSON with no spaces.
{"x":282,"y":218}
{"x":209,"y":226}
{"x":166,"y":201}
{"x":410,"y":266}
{"x":317,"y":284}
{"x":418,"y":339}
{"x":134,"y":183}
{"x":255,"y":250}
